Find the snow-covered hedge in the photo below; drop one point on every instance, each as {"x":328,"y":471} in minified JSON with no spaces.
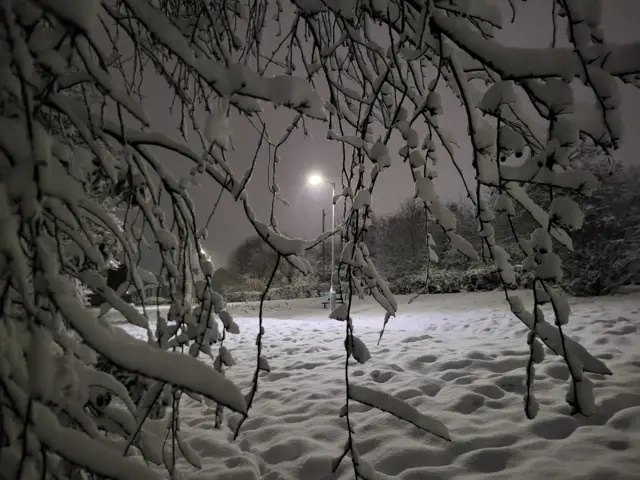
{"x":301,"y":288}
{"x":476,"y":279}
{"x":473,"y":279}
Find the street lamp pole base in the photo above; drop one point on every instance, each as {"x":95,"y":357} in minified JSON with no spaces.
{"x":332,"y":299}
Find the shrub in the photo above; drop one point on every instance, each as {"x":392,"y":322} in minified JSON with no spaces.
{"x":253,"y":284}
{"x":614,"y":264}
{"x":474,"y":279}
{"x":301,"y":287}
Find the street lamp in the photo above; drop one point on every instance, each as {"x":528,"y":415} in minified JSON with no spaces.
{"x":316,"y":179}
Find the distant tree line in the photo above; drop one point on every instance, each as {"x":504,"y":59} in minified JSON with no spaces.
{"x":606,"y":254}
{"x":606,"y":249}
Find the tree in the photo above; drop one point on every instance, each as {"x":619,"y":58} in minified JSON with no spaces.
{"x":253,"y":258}
{"x":97,"y":189}
{"x":400,"y":246}
{"x":607,"y":246}
{"x":369,"y":70}
{"x":223,"y":279}
{"x":402,"y":240}
{"x":464,"y":212}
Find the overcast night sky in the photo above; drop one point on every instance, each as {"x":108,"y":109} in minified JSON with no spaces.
{"x":302,"y":155}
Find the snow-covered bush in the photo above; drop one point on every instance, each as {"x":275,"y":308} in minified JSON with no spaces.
{"x":475,"y":279}
{"x":374,"y":74}
{"x":304,"y":287}
{"x":253,"y":284}
{"x":607,"y":254}
{"x":297,"y":289}
{"x":609,"y":267}
{"x":242,"y":296}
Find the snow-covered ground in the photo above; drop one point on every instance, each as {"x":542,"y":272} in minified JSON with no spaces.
{"x":458,"y":357}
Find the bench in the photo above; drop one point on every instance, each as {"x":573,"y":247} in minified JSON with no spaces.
{"x":327,"y":302}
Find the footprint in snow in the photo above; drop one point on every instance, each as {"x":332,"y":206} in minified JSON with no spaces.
{"x":382,"y":377}
{"x":454,"y":364}
{"x":469,"y":379}
{"x":554,"y":427}
{"x":426,"y":336}
{"x":453,"y":375}
{"x":469,"y":403}
{"x":426,"y":359}
{"x":395,"y":367}
{"x":623,"y":330}
{"x":430,"y":389}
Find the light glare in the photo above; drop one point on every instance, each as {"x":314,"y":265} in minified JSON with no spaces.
{"x":315,"y":179}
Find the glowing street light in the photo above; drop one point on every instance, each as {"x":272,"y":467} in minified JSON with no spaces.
{"x":316,"y":179}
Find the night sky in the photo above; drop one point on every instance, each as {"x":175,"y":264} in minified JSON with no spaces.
{"x":302,"y":155}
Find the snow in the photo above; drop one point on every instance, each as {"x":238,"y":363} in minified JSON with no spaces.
{"x":355,"y":142}
{"x":81,"y":13}
{"x":76,"y":446}
{"x":284,"y":90}
{"x":41,"y":364}
{"x":433,"y":103}
{"x":400,"y":409}
{"x":549,"y":267}
{"x":379,"y":154}
{"x":340,"y":313}
{"x":496,"y":96}
{"x":103,"y":79}
{"x":458,"y":361}
{"x":462,"y":245}
{"x":356,"y":348}
{"x":417,"y":159}
{"x":518,"y":193}
{"x":217,"y":129}
{"x":170,"y":367}
{"x":566,"y":212}
{"x":362,"y":199}
{"x":309,"y":7}
{"x":517,"y":62}
{"x":510,"y":140}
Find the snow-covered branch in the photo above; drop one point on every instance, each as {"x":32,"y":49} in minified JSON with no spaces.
{"x":81,"y":188}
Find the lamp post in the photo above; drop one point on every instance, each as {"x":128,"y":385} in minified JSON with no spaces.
{"x":324,"y":216}
{"x":317,"y":179}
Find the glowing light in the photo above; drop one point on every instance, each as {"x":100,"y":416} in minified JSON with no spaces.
{"x":315,"y":179}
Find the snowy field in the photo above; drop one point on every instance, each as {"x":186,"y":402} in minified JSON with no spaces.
{"x":458,"y":357}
